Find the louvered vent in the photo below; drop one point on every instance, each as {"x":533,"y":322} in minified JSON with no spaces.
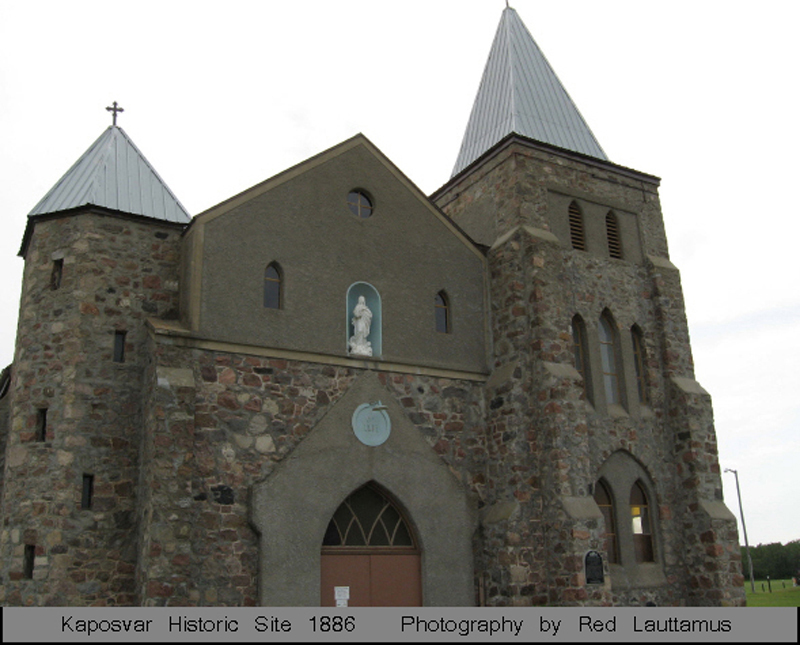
{"x":576,"y":227}
{"x":612,"y":232}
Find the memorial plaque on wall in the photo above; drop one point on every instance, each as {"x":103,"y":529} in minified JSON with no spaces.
{"x":594,"y":568}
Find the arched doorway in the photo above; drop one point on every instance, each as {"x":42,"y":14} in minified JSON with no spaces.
{"x":370,"y":553}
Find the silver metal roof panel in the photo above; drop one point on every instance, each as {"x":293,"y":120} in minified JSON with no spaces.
{"x":114,"y":174}
{"x":520,"y":92}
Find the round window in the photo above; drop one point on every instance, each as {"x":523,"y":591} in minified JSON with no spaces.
{"x":359,"y":204}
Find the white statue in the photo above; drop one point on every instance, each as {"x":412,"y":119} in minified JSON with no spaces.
{"x":362,"y":321}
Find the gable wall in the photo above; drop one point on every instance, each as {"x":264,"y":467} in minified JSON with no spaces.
{"x":404,"y":250}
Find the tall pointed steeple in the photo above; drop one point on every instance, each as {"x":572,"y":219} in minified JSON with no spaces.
{"x":520,"y":93}
{"x":114,"y":174}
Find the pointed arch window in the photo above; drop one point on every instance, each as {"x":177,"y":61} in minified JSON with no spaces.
{"x":631,"y":496}
{"x":613,"y":236}
{"x":608,"y":359}
{"x":641,"y":525}
{"x":581,"y":354}
{"x":368,"y":518}
{"x":442,"y":312}
{"x":639,"y":363}
{"x":576,"y":232}
{"x":273,"y":286}
{"x":602,"y":497}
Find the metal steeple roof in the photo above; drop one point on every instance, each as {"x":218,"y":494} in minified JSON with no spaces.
{"x":520,"y":92}
{"x":114,"y":174}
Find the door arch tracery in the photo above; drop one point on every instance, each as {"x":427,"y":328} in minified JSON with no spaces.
{"x":371,"y":552}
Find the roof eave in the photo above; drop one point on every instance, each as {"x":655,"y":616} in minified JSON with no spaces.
{"x":93,"y":208}
{"x":544,"y":147}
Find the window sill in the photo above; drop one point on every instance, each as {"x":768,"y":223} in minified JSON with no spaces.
{"x":617,"y":411}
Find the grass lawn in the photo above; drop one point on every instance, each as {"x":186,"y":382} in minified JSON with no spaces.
{"x":780,"y":596}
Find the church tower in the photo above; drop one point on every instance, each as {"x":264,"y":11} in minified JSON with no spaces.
{"x":100,"y":253}
{"x":604,"y":441}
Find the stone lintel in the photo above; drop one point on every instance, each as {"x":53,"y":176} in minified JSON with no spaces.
{"x":688,"y":385}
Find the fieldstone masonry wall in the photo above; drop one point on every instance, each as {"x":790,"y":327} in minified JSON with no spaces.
{"x":116,"y":272}
{"x":219,"y":423}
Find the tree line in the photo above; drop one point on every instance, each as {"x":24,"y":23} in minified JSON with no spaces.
{"x":775,"y":560}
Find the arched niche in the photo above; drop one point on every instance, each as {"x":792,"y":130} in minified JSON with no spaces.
{"x":373,"y":301}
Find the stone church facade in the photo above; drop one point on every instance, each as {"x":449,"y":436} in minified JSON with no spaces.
{"x":186,"y":423}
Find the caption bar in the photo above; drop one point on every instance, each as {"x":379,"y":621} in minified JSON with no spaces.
{"x":381,"y":624}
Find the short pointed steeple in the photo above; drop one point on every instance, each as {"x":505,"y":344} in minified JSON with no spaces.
{"x":520,"y":93}
{"x":114,"y":174}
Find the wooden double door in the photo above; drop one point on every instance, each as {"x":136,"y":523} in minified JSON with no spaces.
{"x":372,"y":580}
{"x":370,"y":554}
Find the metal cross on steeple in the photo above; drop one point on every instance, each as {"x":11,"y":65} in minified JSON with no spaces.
{"x":115,"y":109}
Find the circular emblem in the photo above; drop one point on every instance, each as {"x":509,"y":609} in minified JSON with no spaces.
{"x":371,"y":424}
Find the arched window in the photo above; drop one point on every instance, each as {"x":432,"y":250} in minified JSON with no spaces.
{"x":273,"y":281}
{"x":442,"y":312}
{"x":368,"y":518}
{"x":369,"y":546}
{"x":612,"y":234}
{"x":631,"y":495}
{"x":639,"y":363}
{"x":576,"y":233}
{"x":608,"y":359}
{"x":604,"y":501}
{"x":641,"y":525}
{"x":581,"y":354}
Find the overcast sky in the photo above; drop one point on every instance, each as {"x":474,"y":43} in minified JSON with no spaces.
{"x":220,"y":96}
